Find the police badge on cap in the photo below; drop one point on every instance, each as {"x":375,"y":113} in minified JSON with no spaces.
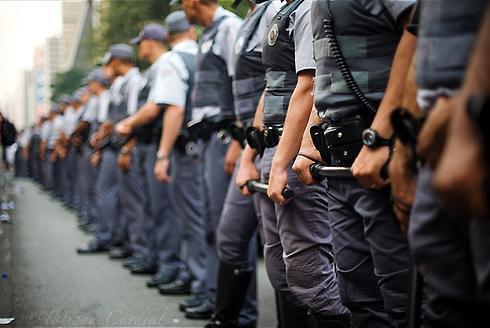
{"x":273,"y":35}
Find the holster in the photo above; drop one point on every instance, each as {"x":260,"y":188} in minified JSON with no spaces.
{"x":185,"y":144}
{"x":239,"y":133}
{"x":255,"y":140}
{"x":339,"y":143}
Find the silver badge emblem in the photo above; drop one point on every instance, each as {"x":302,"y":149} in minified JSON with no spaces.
{"x":273,"y":35}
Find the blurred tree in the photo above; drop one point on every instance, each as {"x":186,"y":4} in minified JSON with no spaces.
{"x":121,"y":20}
{"x":67,"y":82}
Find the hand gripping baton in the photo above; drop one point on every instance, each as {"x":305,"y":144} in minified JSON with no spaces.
{"x":257,"y":186}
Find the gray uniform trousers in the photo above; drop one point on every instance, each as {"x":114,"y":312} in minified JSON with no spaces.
{"x":237,"y":242}
{"x":76,"y":180}
{"x":298,"y":245}
{"x":67,"y":184}
{"x":453,"y":256}
{"x":58,"y":178}
{"x":132,"y":205}
{"x":48,"y":171}
{"x":163,"y":227}
{"x":215,"y":187}
{"x":88,"y":178}
{"x":107,"y":198}
{"x":187,"y":190}
{"x":371,"y":253}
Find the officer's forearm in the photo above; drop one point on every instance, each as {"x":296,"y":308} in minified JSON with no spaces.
{"x":128,"y":146}
{"x":259,"y":112}
{"x":297,"y":118}
{"x":146,"y":114}
{"x":478,"y":75}
{"x":410,"y":93}
{"x":172,"y":124}
{"x":396,"y":84}
{"x":307,"y":147}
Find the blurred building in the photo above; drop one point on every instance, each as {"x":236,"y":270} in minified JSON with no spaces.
{"x":76,"y":16}
{"x":52,"y":64}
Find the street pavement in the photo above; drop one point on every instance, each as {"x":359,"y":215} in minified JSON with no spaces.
{"x":44,"y":283}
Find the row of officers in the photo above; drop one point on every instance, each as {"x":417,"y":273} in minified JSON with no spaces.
{"x":161,"y":166}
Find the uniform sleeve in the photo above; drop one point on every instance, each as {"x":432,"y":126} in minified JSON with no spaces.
{"x":303,"y":37}
{"x":397,"y":7}
{"x":170,"y":86}
{"x":225,"y":39}
{"x":90,"y":114}
{"x":134,"y":88}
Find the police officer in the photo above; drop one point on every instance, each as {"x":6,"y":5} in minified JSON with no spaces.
{"x":35,"y":165}
{"x":238,"y":223}
{"x":160,"y":232}
{"x":297,"y":234}
{"x":22,"y":153}
{"x":450,"y":251}
{"x":97,"y":86}
{"x":212,"y":98}
{"x":58,"y":142}
{"x":72,"y":115}
{"x":372,"y":267}
{"x":45,"y":149}
{"x":123,"y":102}
{"x":177,"y":157}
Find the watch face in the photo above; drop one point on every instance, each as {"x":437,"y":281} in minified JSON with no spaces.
{"x":368,"y":137}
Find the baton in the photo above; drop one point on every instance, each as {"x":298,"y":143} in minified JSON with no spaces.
{"x":320,"y":172}
{"x":257,"y":186}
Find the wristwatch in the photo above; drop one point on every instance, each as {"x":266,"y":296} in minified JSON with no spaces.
{"x":372,"y":139}
{"x":160,"y":156}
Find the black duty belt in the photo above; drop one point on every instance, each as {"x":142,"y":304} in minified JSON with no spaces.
{"x":204,"y":129}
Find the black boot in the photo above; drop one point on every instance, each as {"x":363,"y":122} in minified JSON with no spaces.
{"x":233,"y":284}
{"x":290,"y":314}
{"x":331,"y":321}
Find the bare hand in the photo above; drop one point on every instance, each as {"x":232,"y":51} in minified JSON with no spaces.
{"x":124,"y":161}
{"x":246,"y":171}
{"x":95,"y":159}
{"x":161,"y":170}
{"x":278,"y":180}
{"x":403,"y":183}
{"x":432,"y":137}
{"x":124,"y":127}
{"x":462,"y":172}
{"x":368,"y":165}
{"x":302,"y":164}
{"x":231,"y":156}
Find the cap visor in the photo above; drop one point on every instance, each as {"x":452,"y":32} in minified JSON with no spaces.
{"x":136,"y":40}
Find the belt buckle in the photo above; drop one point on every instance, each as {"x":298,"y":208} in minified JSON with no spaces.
{"x":224,"y":137}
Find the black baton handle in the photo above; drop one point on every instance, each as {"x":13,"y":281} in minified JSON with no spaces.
{"x":320,"y":171}
{"x":257,"y":186}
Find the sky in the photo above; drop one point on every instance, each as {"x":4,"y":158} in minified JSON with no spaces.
{"x":24,"y":24}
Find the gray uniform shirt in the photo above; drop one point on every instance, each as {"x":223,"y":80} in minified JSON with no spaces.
{"x":170,"y":84}
{"x":90,"y":111}
{"x":366,"y":31}
{"x":104,"y":101}
{"x":446,"y":36}
{"x":227,"y":32}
